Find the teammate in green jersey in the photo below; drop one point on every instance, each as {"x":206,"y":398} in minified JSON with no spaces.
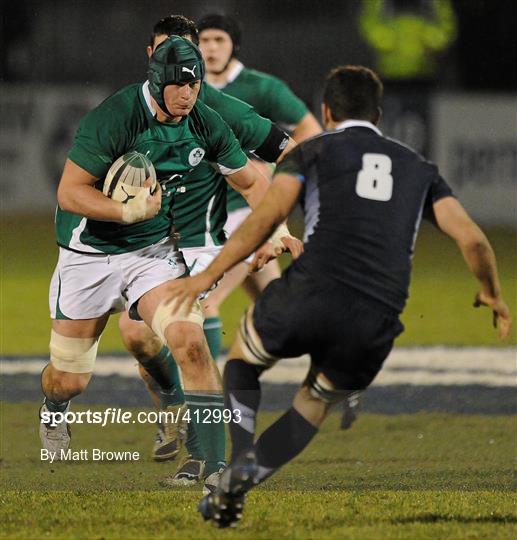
{"x":112,"y":253}
{"x":199,"y":217}
{"x":219,"y":41}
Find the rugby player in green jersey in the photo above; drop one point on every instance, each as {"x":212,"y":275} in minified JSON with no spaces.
{"x":219,"y":42}
{"x":113,"y":254}
{"x":199,"y":217}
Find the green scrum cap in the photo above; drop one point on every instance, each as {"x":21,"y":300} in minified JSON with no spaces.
{"x":176,"y":60}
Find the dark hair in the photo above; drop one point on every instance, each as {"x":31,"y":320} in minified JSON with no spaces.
{"x":353,"y":92}
{"x":174,"y":25}
{"x":224,"y":23}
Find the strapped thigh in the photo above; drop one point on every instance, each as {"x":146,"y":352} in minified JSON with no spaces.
{"x":73,"y":355}
{"x":167,"y":313}
{"x":250,"y":343}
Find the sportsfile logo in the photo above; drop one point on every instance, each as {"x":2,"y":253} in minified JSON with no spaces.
{"x":113,"y":415}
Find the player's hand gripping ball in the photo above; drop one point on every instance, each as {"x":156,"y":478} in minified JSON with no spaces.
{"x":125,"y":178}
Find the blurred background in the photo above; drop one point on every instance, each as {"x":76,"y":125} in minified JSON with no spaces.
{"x":449,"y":68}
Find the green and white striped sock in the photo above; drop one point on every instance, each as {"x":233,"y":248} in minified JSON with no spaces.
{"x":206,"y":416}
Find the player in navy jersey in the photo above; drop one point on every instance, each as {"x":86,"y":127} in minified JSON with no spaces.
{"x":363,"y":197}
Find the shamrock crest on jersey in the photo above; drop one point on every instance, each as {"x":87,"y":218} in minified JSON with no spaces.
{"x":195,"y":156}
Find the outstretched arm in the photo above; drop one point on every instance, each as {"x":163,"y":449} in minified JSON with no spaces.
{"x":255,"y":230}
{"x":453,"y":220}
{"x":253,"y":185}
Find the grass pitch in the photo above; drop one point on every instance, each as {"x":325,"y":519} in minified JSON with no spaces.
{"x":412,"y":476}
{"x":439,"y":309}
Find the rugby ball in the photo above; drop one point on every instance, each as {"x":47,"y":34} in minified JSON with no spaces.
{"x":126,"y":177}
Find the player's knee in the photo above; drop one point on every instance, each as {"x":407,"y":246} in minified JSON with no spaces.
{"x":167,"y":313}
{"x":67,"y":384}
{"x":72,"y":355}
{"x":195,"y":357}
{"x":320,"y":387}
{"x":139,"y":339}
{"x":141,"y":344}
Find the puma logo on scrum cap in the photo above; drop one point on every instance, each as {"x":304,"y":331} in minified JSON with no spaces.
{"x":191,"y":71}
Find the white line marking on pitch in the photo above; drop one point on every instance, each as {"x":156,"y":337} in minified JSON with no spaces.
{"x":414,"y":366}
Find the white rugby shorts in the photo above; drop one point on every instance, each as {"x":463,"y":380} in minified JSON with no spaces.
{"x":234,"y":219}
{"x":198,"y":258}
{"x":86,"y":286}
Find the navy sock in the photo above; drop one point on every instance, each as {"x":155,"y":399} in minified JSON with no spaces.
{"x":241,"y":393}
{"x":282,"y":441}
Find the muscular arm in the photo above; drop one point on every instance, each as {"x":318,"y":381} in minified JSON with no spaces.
{"x":307,"y":127}
{"x":250,"y":183}
{"x":256,"y":229}
{"x":77,"y":194}
{"x":453,"y":220}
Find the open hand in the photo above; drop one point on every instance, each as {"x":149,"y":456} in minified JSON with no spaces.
{"x":185,"y":290}
{"x":502,"y":319}
{"x":293,"y":245}
{"x":269,"y":251}
{"x":262,"y":256}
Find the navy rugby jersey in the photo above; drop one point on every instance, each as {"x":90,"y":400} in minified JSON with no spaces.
{"x":363,"y":199}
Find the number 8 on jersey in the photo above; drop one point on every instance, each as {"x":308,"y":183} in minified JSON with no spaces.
{"x":374,"y":180}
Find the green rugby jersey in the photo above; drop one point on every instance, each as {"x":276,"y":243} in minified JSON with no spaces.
{"x":271,"y":98}
{"x":123,"y":122}
{"x":200,"y":210}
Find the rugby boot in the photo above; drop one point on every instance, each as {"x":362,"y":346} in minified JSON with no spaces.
{"x":171,"y":435}
{"x":190,"y":472}
{"x":56,"y":438}
{"x":224,"y":506}
{"x":350,"y":411}
{"x":212,"y":480}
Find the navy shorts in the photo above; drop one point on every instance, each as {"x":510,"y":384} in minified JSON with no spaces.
{"x":347,"y":334}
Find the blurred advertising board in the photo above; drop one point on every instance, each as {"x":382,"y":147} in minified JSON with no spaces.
{"x":472,"y":138}
{"x":37,"y":129}
{"x":406,"y":117}
{"x":474,"y":143}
